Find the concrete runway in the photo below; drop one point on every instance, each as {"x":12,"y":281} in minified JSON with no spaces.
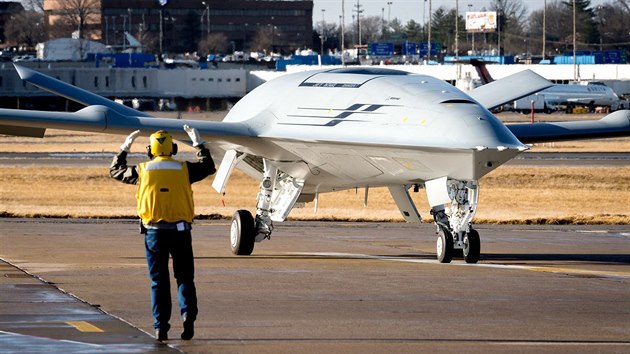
{"x":527,"y":159}
{"x":339,"y":287}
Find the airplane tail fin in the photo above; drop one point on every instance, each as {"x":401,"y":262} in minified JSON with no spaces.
{"x":482,"y":71}
{"x":616,"y":124}
{"x":73,"y":93}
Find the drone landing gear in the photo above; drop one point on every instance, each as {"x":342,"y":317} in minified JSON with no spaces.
{"x":455,"y":235}
{"x":278,"y":193}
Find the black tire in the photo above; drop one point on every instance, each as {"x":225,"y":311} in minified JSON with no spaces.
{"x":242,"y":233}
{"x":472,"y":247}
{"x":444,"y":246}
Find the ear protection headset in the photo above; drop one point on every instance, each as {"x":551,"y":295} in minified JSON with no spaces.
{"x":161,"y":144}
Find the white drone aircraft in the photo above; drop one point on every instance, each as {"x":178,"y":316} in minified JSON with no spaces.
{"x":321,"y":131}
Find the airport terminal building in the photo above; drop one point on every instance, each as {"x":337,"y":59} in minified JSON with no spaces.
{"x":178,"y":26}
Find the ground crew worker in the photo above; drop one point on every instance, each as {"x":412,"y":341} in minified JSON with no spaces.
{"x":166,"y":210}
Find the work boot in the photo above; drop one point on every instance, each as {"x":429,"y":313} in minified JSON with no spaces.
{"x":189,"y":328}
{"x":161,"y":335}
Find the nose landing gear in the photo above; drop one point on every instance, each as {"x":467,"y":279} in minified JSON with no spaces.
{"x":455,"y":235}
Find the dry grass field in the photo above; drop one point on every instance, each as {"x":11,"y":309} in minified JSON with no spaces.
{"x":510,"y":194}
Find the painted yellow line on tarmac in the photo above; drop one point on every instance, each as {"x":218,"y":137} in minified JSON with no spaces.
{"x":83,"y":326}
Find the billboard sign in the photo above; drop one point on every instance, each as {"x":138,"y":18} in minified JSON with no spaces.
{"x":481,"y":21}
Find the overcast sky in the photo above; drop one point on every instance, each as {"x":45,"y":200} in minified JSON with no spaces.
{"x":406,"y":10}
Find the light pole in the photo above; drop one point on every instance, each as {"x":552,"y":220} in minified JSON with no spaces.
{"x":499,"y":30}
{"x":161,"y":31}
{"x":456,"y":28}
{"x":322,"y":35}
{"x":244,"y":37}
{"x":106,"y":30}
{"x":472,"y":32}
{"x":124,"y":44}
{"x":389,"y":12}
{"x":382,"y":22}
{"x":114,"y":28}
{"x":544,"y":28}
{"x":429,"y":44}
{"x":207,"y":13}
{"x":358,"y":11}
{"x":130,"y":28}
{"x":203,"y":14}
{"x":342,"y":20}
{"x":574,"y":43}
{"x":424,"y":18}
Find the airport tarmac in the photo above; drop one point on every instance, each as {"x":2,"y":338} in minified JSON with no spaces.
{"x":527,"y":159}
{"x":333,"y":287}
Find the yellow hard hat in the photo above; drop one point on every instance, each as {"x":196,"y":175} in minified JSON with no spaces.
{"x":161,"y":144}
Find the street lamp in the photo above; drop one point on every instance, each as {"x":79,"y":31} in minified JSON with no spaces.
{"x":574,"y":43}
{"x":106,"y":30}
{"x":130,"y":28}
{"x":429,"y":42}
{"x":456,"y":28}
{"x":544,"y":28}
{"x":499,"y":30}
{"x":124,"y":44}
{"x":358,"y":11}
{"x":322,"y":35}
{"x":207,"y":13}
{"x":342,"y":19}
{"x":244,"y":37}
{"x":382,"y":22}
{"x":472,"y":32}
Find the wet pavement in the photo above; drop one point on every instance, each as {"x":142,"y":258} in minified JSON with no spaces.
{"x":37,"y":317}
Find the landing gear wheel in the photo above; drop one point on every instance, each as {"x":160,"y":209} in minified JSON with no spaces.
{"x":472,"y":246}
{"x":242,"y":233}
{"x":444,"y":246}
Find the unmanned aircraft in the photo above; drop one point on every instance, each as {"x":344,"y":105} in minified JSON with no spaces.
{"x":321,"y":131}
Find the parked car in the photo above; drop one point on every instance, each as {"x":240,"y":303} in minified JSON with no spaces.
{"x":26,"y":57}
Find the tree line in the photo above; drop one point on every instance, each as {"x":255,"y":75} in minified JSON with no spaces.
{"x":602,"y":27}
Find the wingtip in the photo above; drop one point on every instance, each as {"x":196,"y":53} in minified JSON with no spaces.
{"x":23,"y":71}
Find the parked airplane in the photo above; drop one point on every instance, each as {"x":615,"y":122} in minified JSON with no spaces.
{"x":321,"y":131}
{"x":558,"y":96}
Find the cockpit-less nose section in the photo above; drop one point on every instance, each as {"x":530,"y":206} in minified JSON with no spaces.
{"x":322,"y":131}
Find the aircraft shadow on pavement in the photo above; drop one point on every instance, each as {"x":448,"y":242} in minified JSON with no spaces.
{"x":493,"y":257}
{"x":589,"y":258}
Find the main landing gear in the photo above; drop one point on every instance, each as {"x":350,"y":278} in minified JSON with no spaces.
{"x":455,"y":234}
{"x":278,"y":193}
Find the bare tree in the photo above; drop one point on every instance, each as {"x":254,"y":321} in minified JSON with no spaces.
{"x":613,"y":21}
{"x":371,"y":28}
{"x":262,"y":40}
{"x":77,"y":15}
{"x":214,"y":43}
{"x":27,"y":28}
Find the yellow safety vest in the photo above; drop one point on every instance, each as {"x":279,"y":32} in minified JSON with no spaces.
{"x":164,"y":192}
